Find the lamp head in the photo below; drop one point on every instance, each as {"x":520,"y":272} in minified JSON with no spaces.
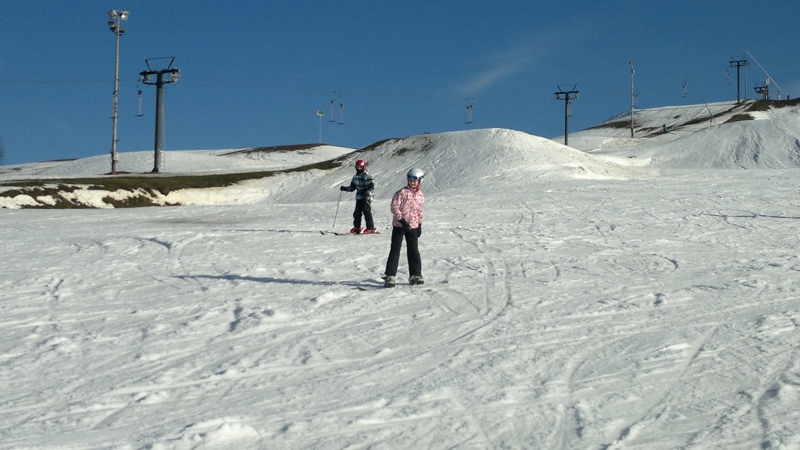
{"x":113,"y":14}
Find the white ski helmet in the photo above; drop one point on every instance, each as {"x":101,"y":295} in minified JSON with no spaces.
{"x":416,"y":174}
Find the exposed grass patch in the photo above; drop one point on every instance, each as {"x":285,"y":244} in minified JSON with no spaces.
{"x":750,"y":105}
{"x":423,"y":147}
{"x":707,"y":118}
{"x":323,"y":165}
{"x":136,"y":201}
{"x":764,"y":105}
{"x":54,"y":192}
{"x":619,"y":124}
{"x":739,"y":118}
{"x":275,"y":149}
{"x":153,"y":183}
{"x":375,"y":145}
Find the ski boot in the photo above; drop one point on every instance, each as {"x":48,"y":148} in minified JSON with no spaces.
{"x":356,"y":230}
{"x":415,"y":280}
{"x":388,"y":282}
{"x":370,"y":231}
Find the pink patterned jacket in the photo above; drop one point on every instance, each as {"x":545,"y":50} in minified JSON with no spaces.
{"x":407,"y":204}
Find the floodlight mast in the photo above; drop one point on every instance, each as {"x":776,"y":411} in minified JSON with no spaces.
{"x":320,"y":114}
{"x":144,"y":77}
{"x":567,"y":96}
{"x":114,"y":18}
{"x":633,"y":97}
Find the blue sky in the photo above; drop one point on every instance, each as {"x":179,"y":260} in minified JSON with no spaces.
{"x":254,"y":73}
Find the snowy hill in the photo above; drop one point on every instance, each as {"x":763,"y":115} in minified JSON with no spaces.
{"x":752,"y":135}
{"x":568,"y":302}
{"x":174,"y":163}
{"x":477,"y":159}
{"x":177,"y":162}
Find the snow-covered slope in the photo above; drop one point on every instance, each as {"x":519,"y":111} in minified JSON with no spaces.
{"x":654,"y":314}
{"x":478,"y":160}
{"x":569,"y":303}
{"x":752,"y":135}
{"x":180,"y":162}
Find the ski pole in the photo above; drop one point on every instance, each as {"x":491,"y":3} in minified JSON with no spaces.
{"x":337,"y":210}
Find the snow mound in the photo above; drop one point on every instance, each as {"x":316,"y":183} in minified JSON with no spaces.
{"x":212,"y":434}
{"x":476,"y":160}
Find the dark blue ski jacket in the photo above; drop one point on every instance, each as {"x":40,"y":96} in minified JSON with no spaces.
{"x":363,"y":184}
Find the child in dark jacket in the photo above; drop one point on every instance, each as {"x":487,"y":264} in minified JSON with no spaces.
{"x":364,"y":185}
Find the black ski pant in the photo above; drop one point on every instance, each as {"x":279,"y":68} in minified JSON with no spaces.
{"x":412,"y":250}
{"x":363,"y":206}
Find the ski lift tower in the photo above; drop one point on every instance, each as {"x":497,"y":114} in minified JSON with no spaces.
{"x":567,"y":96}
{"x":739,"y":63}
{"x":145,"y":77}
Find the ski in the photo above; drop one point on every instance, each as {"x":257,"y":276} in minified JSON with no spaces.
{"x":428,"y":288}
{"x":335,"y":233}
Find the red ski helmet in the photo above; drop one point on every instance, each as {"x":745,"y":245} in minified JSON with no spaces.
{"x":361,"y":165}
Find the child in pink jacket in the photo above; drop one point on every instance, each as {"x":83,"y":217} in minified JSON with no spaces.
{"x":407,"y":205}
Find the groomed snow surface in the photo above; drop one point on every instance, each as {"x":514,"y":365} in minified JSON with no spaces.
{"x":570,"y":302}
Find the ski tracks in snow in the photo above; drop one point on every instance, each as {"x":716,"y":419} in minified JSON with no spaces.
{"x":589,"y":315}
